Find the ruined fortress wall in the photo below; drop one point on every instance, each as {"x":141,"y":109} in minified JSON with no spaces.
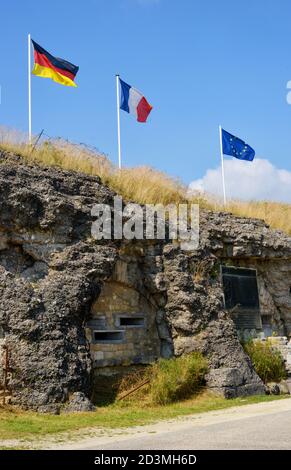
{"x":55,"y":279}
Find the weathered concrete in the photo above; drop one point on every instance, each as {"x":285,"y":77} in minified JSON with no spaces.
{"x":52,"y":273}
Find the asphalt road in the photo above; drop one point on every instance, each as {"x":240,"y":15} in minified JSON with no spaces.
{"x":270,"y":432}
{"x":259,"y":426}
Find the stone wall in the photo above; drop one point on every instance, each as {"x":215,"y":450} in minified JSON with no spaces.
{"x":55,"y":279}
{"x":276,"y":278}
{"x":130,"y":295}
{"x":274,"y":283}
{"x":2,"y":343}
{"x":139,"y":343}
{"x":50,"y":273}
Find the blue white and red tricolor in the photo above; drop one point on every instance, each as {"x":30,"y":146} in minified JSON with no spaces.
{"x":133,"y":102}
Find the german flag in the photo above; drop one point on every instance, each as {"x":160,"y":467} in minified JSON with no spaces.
{"x":48,"y":66}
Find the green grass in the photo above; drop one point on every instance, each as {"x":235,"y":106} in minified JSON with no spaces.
{"x":27,"y":425}
{"x":267,"y":361}
{"x":13,"y":448}
{"x":177,"y":378}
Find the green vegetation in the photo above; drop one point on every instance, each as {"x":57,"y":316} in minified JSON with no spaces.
{"x":177,"y":378}
{"x":163,"y":382}
{"x":16,"y":424}
{"x":139,"y":184}
{"x":267,"y":361}
{"x":170,"y":382}
{"x":175,"y":389}
{"x":13,"y":448}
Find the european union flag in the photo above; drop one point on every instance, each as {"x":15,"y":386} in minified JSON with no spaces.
{"x":236,"y":147}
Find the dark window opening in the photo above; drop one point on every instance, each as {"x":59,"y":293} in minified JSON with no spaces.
{"x":240,"y":288}
{"x":108,"y":336}
{"x":131,"y":321}
{"x":241,"y":297}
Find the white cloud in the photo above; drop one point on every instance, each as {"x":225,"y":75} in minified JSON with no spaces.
{"x":259,"y":180}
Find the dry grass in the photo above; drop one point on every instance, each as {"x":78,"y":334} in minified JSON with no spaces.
{"x":139,"y":184}
{"x":58,"y":153}
{"x":148,"y":186}
{"x":275,"y":214}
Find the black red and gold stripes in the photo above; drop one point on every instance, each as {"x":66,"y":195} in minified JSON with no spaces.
{"x":48,"y":66}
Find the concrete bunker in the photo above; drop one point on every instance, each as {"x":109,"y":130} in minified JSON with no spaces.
{"x":122,"y":329}
{"x":156,"y":299}
{"x":258,"y":298}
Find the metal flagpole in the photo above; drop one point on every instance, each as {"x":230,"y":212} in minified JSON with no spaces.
{"x":118,"y":120}
{"x":29,"y":90}
{"x":222,"y":165}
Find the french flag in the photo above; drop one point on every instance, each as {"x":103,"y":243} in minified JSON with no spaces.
{"x":133,"y":102}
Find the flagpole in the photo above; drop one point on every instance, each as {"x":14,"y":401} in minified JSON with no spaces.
{"x":29,"y":90}
{"x":118,"y":120}
{"x":222,"y":166}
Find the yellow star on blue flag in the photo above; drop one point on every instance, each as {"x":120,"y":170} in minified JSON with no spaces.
{"x":235,"y":147}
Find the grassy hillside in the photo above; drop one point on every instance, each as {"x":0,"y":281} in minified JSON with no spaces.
{"x":139,"y":184}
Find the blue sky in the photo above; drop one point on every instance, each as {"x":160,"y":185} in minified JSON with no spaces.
{"x":200,"y":63}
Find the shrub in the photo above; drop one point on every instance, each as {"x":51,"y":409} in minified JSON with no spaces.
{"x":177,"y":378}
{"x":267,"y":361}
